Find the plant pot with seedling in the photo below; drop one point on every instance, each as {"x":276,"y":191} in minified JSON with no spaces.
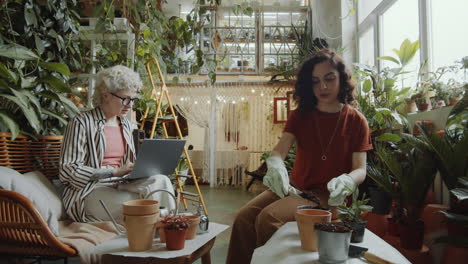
{"x":352,"y":215}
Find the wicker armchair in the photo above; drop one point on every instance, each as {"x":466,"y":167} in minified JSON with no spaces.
{"x":23,"y":231}
{"x":257,"y":174}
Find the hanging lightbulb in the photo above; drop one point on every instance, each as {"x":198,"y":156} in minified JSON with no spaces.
{"x":253,"y":90}
{"x":158,"y":93}
{"x":196,"y":102}
{"x":242,"y":98}
{"x":234,"y":102}
{"x":208,"y":101}
{"x":261,"y":94}
{"x":182,"y":99}
{"x":271,"y":102}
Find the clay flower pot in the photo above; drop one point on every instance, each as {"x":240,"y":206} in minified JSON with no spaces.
{"x":193,"y":221}
{"x":306,"y":218}
{"x":175,"y":238}
{"x":411,"y":235}
{"x":140,"y":231}
{"x":140,"y":207}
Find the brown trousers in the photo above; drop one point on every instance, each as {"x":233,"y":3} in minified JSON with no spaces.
{"x":258,"y":220}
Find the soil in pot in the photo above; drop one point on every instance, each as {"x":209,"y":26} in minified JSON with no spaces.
{"x":411,"y":235}
{"x":358,"y":231}
{"x":333,"y":242}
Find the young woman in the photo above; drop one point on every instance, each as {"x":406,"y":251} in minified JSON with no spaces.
{"x":332,"y":139}
{"x":98,"y":144}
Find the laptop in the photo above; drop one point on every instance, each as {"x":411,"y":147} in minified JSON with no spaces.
{"x":156,"y":156}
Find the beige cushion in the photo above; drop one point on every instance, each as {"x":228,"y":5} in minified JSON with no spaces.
{"x":52,"y":194}
{"x":14,"y":181}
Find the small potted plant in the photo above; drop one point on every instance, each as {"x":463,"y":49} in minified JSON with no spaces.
{"x":175,"y":228}
{"x":352,"y":215}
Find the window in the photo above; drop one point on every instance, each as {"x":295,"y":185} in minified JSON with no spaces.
{"x":367,"y":47}
{"x":400,"y":22}
{"x":449,"y":33}
{"x":366,"y":7}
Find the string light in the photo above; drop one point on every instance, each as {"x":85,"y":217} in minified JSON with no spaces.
{"x":261,"y":94}
{"x":253,"y":90}
{"x":242,"y":98}
{"x":196,"y":102}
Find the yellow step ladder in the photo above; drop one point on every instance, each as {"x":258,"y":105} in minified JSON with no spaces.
{"x":164,"y":93}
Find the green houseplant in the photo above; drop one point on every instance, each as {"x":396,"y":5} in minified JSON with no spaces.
{"x":35,"y":52}
{"x":352,"y":214}
{"x":407,"y":174}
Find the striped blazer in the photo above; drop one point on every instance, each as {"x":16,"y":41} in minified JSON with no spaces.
{"x":81,"y":158}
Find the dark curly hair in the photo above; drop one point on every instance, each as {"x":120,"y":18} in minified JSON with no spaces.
{"x":304,"y":94}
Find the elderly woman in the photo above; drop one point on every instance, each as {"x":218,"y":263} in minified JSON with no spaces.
{"x":97,"y":145}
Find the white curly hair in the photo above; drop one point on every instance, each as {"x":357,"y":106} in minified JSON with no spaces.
{"x":114,"y":79}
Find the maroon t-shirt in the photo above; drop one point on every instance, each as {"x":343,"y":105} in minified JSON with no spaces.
{"x":352,"y":135}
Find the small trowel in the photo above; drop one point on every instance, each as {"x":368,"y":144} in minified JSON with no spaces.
{"x":356,"y":252}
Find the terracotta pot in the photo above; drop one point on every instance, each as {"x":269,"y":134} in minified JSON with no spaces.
{"x":140,"y":231}
{"x":140,"y":207}
{"x":194,"y":220}
{"x":423,"y":107}
{"x":411,"y":236}
{"x":306,"y":218}
{"x":454,"y":255}
{"x":456,"y":229}
{"x":453,"y":101}
{"x":175,"y":239}
{"x":411,"y":106}
{"x":377,"y":223}
{"x":393,"y":228}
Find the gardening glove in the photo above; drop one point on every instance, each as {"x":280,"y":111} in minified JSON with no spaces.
{"x":276,"y":177}
{"x":339,"y":188}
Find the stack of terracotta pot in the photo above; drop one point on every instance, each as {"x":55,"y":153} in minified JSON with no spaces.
{"x":140,"y":218}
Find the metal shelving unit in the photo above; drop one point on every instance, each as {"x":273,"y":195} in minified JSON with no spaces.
{"x":255,"y":44}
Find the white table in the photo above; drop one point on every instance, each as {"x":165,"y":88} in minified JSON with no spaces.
{"x":119,"y":246}
{"x":285,"y":247}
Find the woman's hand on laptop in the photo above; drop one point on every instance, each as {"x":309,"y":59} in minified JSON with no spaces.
{"x":124,"y":170}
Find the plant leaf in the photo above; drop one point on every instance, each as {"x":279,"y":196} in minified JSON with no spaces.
{"x":56,"y":67}
{"x":17,"y":52}
{"x":388,"y":137}
{"x":389,"y":58}
{"x":10,"y":123}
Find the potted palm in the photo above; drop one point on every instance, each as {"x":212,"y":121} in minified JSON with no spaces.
{"x":413,"y":171}
{"x":352,"y":215}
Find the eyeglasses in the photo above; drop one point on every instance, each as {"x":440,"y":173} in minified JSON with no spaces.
{"x":125,"y":100}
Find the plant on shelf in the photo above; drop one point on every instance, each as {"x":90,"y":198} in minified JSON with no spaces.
{"x":352,"y":214}
{"x":307,"y":44}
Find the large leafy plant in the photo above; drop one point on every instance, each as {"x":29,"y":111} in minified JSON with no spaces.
{"x":407,"y":174}
{"x":380,"y":95}
{"x":33,"y":73}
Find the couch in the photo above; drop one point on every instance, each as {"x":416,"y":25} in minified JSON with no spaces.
{"x":30,"y":205}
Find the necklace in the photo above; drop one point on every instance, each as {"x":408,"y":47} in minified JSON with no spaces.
{"x":324,"y":152}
